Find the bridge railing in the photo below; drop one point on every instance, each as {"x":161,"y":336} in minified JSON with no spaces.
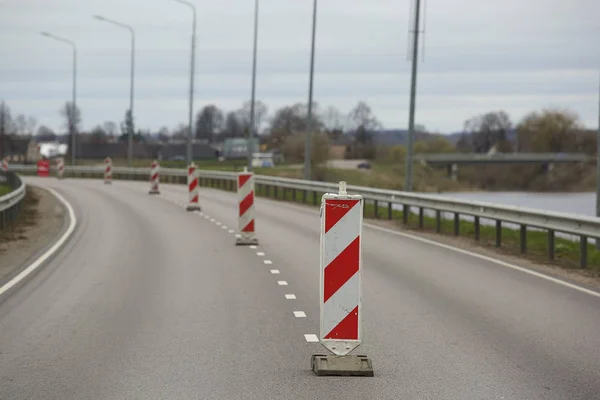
{"x":582,"y":227}
{"x":11,"y":204}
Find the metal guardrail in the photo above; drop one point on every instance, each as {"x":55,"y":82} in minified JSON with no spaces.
{"x":11,"y":204}
{"x":470,"y":158}
{"x":583,"y":227}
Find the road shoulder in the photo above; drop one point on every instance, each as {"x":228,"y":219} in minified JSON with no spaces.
{"x":43,"y":221}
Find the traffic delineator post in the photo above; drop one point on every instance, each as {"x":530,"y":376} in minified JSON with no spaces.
{"x":192,"y":182}
{"x":245,"y":191}
{"x":340,"y":286}
{"x":154,"y":178}
{"x":60,"y":168}
{"x":5,"y":164}
{"x":107,"y":171}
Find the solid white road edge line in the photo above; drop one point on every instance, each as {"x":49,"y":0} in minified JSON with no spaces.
{"x":50,"y":252}
{"x":489,"y":259}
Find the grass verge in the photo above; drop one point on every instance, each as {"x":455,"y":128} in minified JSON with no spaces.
{"x":28,"y":216}
{"x":5,"y":189}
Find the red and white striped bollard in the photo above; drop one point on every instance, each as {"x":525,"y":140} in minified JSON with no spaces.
{"x":340,"y":292}
{"x":192,"y":182}
{"x":154,"y":178}
{"x":245,"y":191}
{"x":107,"y":171}
{"x":60,"y":168}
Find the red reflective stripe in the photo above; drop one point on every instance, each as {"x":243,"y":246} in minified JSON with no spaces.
{"x":154,"y":177}
{"x":242,"y":179}
{"x":341,"y":269}
{"x":191,"y":170}
{"x":193,"y":184}
{"x":194,"y":199}
{"x":246,"y":203}
{"x":347,"y":329}
{"x":335,"y":211}
{"x":249,"y":227}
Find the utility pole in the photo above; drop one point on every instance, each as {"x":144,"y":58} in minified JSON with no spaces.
{"x":253,"y":94}
{"x":598,"y":167}
{"x":310,"y":95}
{"x":408,"y":185}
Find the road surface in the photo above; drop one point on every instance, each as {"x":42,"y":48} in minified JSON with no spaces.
{"x":149,"y":301}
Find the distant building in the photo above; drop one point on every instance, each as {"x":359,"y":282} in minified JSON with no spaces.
{"x":237,"y":148}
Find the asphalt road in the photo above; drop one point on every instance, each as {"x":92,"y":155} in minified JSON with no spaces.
{"x":149,"y":301}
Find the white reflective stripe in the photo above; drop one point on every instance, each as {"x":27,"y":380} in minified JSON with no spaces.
{"x":247,"y":217}
{"x":245,"y":189}
{"x":340,"y":305}
{"x":341,"y":234}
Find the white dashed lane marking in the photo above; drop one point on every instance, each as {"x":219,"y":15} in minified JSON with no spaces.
{"x":290,"y":296}
{"x":268,"y":262}
{"x":311,"y":338}
{"x":253,"y":247}
{"x":260,"y":254}
{"x":231,"y":231}
{"x":275,"y":271}
{"x":282,"y":283}
{"x":299,"y":314}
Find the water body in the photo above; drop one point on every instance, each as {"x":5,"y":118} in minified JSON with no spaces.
{"x":572,"y":203}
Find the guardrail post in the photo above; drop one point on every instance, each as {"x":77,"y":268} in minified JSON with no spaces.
{"x":275,"y":193}
{"x":390,"y":211}
{"x":421,"y":217}
{"x":405,"y":212}
{"x":376,"y":209}
{"x":523,"y":239}
{"x":294,"y":195}
{"x":456,"y":224}
{"x":476,"y":226}
{"x":583,"y":251}
{"x":315,"y":198}
{"x":551,"y":245}
{"x":438,"y":221}
{"x":304,"y":196}
{"x":498,"y":233}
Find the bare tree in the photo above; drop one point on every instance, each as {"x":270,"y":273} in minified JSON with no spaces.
{"x":21,"y":124}
{"x":5,"y":128}
{"x":333,"y":119}
{"x":260,"y":114}
{"x":552,"y":130}
{"x":45,"y":134}
{"x":72,"y":116}
{"x":209,"y":123}
{"x":31,"y":125}
{"x":110,"y":128}
{"x":489,"y":130}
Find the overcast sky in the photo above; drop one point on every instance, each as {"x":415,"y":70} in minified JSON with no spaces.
{"x":480,"y":55}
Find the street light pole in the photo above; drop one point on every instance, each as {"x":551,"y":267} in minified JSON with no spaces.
{"x":598,"y":167}
{"x":191,"y":101}
{"x":310,"y":95}
{"x":408,"y":185}
{"x":253,"y":95}
{"x":74,"y":98}
{"x":132,"y":78}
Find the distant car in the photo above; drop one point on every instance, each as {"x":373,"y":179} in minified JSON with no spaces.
{"x":364,"y":165}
